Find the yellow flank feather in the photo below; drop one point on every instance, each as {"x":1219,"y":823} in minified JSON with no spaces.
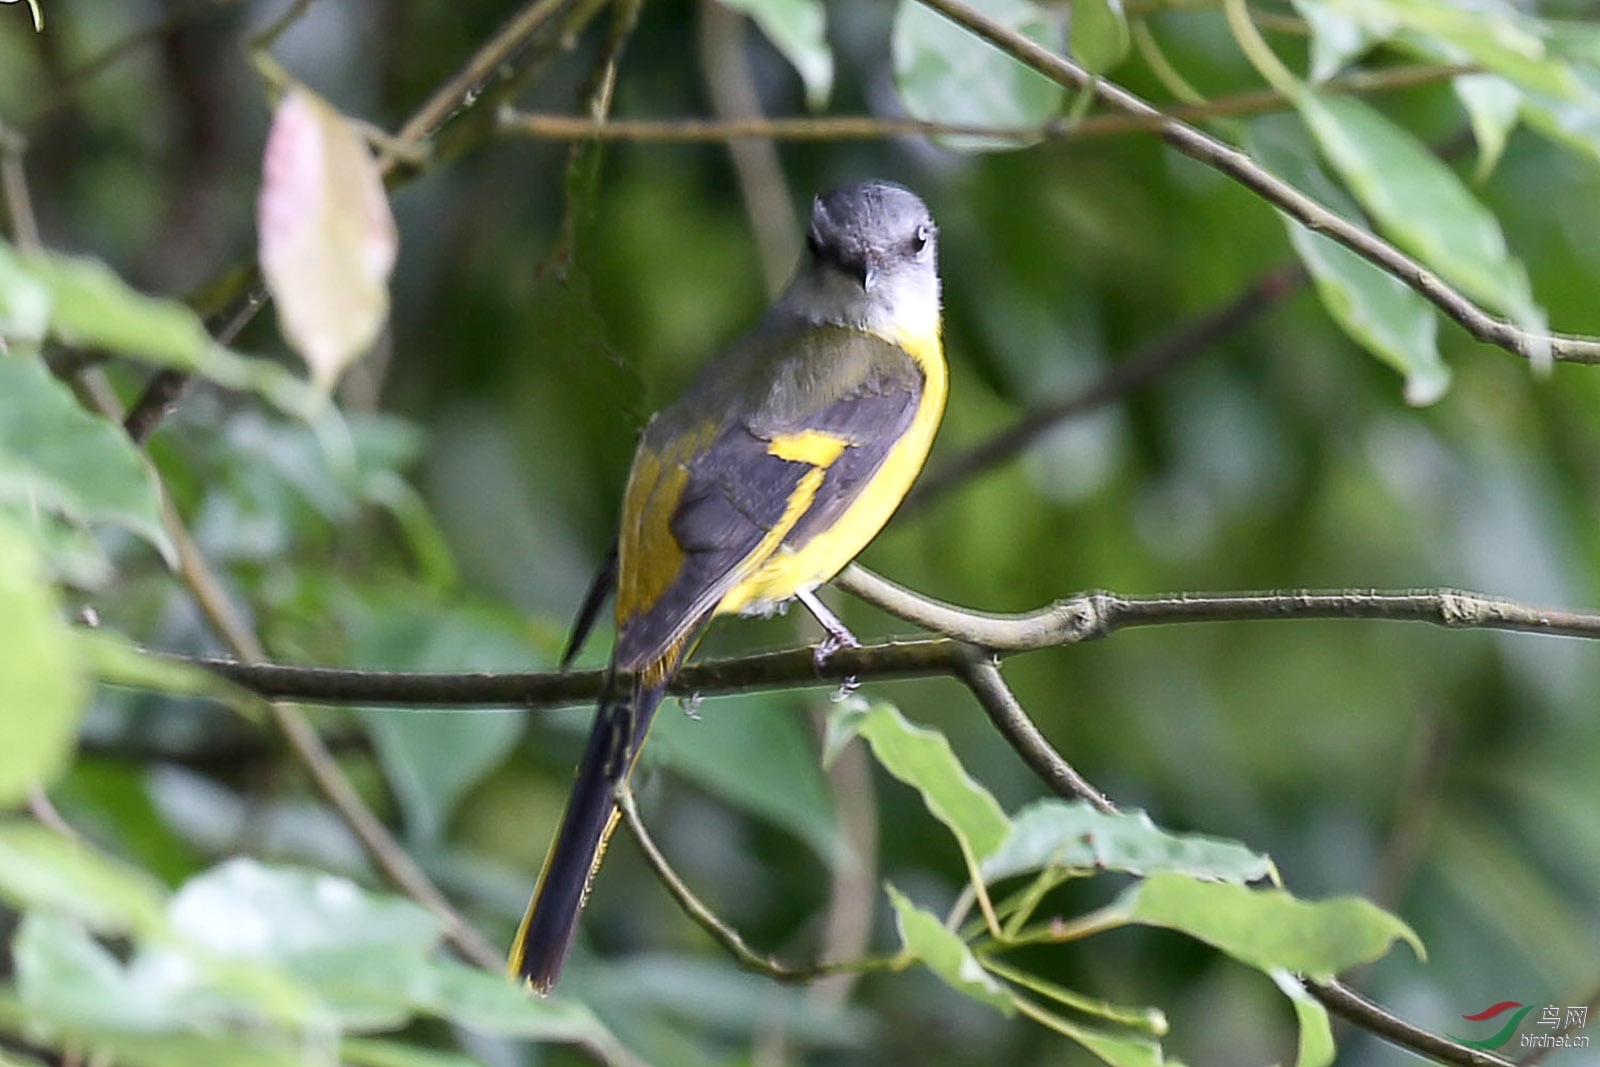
{"x":650,"y":555}
{"x":782,"y":572}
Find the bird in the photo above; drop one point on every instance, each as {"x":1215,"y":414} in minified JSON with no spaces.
{"x":784,"y":457}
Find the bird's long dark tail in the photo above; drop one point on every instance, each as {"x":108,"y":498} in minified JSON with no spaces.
{"x":552,"y":917}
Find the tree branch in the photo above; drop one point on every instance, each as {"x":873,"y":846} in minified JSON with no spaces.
{"x":1065,"y":622}
{"x":1348,"y":1004}
{"x":982,"y":676}
{"x":877,"y":128}
{"x":1240,"y":167}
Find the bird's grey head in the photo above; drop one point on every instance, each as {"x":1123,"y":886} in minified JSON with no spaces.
{"x":871,"y":260}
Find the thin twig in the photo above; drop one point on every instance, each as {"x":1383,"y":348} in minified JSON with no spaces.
{"x":982,"y":676}
{"x":1129,"y":374}
{"x":730,"y":84}
{"x":725,"y":935}
{"x":14,"y":187}
{"x":877,"y":128}
{"x":462,"y":88}
{"x":1348,"y":1004}
{"x":1240,"y":167}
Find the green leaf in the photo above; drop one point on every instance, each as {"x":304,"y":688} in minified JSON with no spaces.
{"x":1113,"y":1047}
{"x":57,"y":457}
{"x":1060,"y":833}
{"x":1494,"y":36}
{"x":1316,"y":1035}
{"x":377,"y":1052}
{"x":82,"y":302}
{"x":246,"y":910}
{"x":1493,"y":107}
{"x":92,"y":307}
{"x":762,"y":761}
{"x":946,"y":955}
{"x":1421,"y":204}
{"x":363,"y":953}
{"x":922,"y":758}
{"x":1267,"y":929}
{"x":1099,"y":34}
{"x":71,"y":981}
{"x":1336,"y":38}
{"x":1377,"y":310}
{"x":798,"y":29}
{"x":42,"y":686}
{"x":491,"y":1003}
{"x":41,"y":870}
{"x":146,"y":1046}
{"x":24,"y":301}
{"x":946,"y":74}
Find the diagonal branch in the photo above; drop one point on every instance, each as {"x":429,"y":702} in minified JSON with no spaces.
{"x":1302,"y":208}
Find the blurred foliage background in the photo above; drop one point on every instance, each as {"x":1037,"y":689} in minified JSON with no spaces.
{"x":541,"y":312}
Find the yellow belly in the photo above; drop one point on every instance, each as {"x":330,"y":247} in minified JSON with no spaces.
{"x":787,"y":571}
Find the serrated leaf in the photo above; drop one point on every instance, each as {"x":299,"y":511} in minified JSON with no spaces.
{"x":1420,"y":203}
{"x":946,"y":955}
{"x":327,"y":237}
{"x":41,"y":870}
{"x":57,"y":457}
{"x":1316,"y":1035}
{"x":1493,"y":108}
{"x":798,"y":29}
{"x":1268,"y":929}
{"x":1377,"y":310}
{"x":1061,"y":833}
{"x":1099,"y":34}
{"x":946,"y":74}
{"x":922,"y":758}
{"x":42,"y":685}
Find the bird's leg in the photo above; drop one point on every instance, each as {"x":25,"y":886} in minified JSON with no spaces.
{"x":838,"y":636}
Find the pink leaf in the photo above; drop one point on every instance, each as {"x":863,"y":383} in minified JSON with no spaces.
{"x":327,"y":238}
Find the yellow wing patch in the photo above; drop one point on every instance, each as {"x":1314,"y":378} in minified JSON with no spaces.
{"x":816,"y":447}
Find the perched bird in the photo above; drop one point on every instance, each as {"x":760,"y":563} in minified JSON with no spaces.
{"x":784,"y":457}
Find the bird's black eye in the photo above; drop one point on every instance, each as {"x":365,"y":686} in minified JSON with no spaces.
{"x":919,"y":240}
{"x":813,"y":243}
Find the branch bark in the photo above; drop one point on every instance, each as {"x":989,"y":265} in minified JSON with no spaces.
{"x":1241,"y":168}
